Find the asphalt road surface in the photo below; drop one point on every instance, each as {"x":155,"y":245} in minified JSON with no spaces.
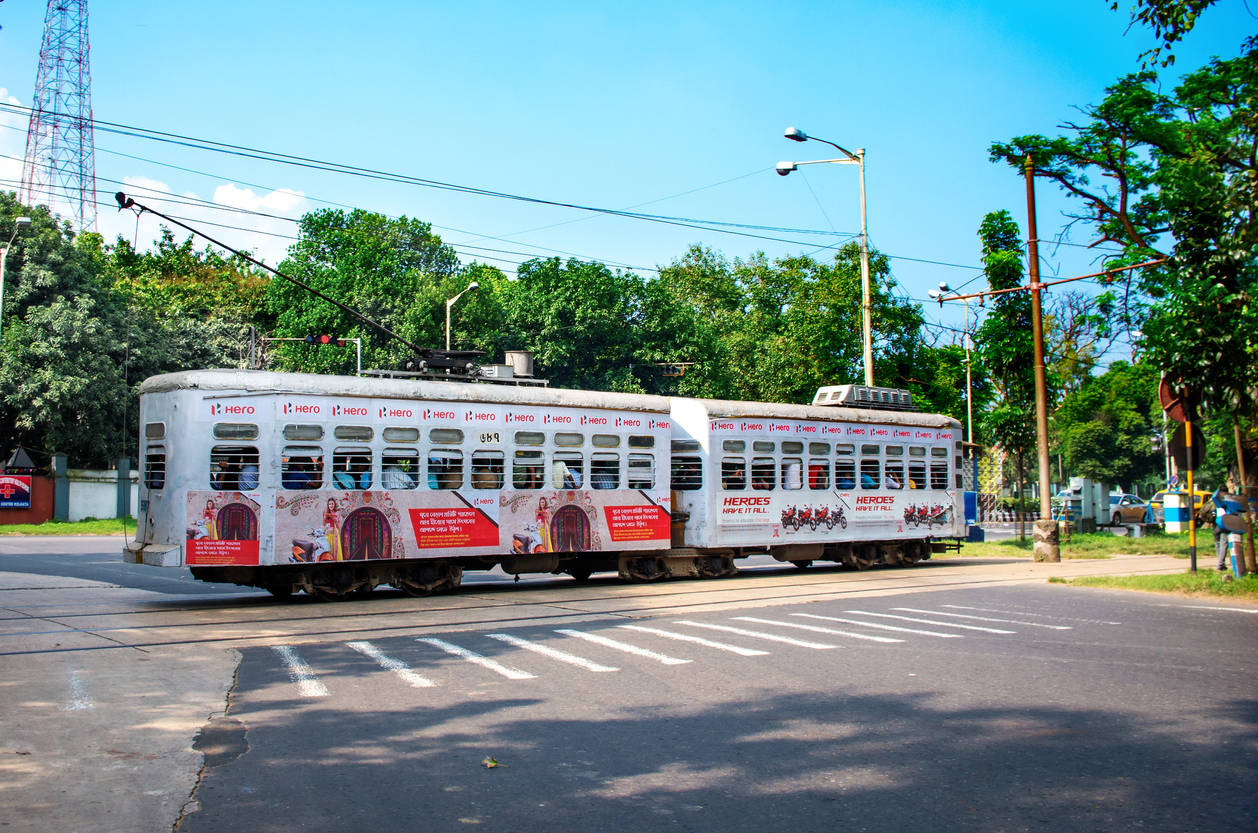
{"x":955,"y":695}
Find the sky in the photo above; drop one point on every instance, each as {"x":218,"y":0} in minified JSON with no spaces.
{"x":671,"y":109}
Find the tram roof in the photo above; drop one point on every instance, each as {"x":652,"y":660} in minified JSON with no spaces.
{"x":259,"y":382}
{"x":722,"y":409}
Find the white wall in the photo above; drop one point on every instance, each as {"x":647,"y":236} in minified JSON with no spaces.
{"x":94,"y":494}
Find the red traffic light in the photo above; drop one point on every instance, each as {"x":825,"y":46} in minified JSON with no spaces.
{"x":325,"y":339}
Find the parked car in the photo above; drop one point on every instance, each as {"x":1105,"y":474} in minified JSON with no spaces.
{"x":1202,"y":505}
{"x":1126,"y":509}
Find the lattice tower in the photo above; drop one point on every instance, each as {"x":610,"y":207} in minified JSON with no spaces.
{"x":60,"y":166}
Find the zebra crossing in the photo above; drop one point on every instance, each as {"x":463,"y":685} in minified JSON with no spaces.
{"x":609,"y":648}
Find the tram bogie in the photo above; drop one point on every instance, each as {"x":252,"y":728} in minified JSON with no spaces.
{"x":333,"y":486}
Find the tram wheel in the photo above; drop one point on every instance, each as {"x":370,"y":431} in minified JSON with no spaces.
{"x":283,"y":592}
{"x":329,"y":593}
{"x":410,"y":588}
{"x":580,"y":574}
{"x":803,"y":565}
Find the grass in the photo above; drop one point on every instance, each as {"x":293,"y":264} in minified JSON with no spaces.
{"x":1204,"y":583}
{"x":90,"y":526}
{"x":1095,"y":545}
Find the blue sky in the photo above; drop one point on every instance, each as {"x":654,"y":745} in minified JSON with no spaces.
{"x":668,"y":108}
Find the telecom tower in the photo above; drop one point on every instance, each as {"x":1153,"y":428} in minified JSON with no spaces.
{"x":60,"y":166}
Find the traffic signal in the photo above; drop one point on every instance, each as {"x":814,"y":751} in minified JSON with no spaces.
{"x":325,"y":339}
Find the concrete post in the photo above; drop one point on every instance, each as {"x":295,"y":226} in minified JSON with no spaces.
{"x":61,"y":489}
{"x":124,"y":487}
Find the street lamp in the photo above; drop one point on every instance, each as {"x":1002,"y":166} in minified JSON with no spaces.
{"x":967,"y":340}
{"x":848,"y":158}
{"x":450,"y":303}
{"x":18,"y":224}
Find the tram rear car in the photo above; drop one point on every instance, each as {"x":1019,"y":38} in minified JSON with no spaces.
{"x":333,"y":485}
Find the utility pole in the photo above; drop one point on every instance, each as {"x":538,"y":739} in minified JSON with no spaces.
{"x":1047,"y":547}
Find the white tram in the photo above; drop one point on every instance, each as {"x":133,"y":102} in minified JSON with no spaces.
{"x":333,"y":485}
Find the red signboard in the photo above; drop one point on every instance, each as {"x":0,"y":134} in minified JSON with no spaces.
{"x":636,"y":523}
{"x":205,"y":551}
{"x":15,"y":491}
{"x":457,"y":527}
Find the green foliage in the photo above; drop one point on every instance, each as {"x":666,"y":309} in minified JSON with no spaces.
{"x":1170,"y":21}
{"x":1204,"y":583}
{"x":1107,"y":428}
{"x":393,"y":271}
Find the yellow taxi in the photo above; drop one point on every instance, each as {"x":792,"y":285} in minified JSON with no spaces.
{"x":1203,"y":507}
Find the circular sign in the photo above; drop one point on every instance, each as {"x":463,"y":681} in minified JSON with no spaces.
{"x":1173,"y":401}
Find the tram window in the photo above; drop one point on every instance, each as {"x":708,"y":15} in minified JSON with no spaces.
{"x":641,"y":471}
{"x":235,"y":431}
{"x":818,"y":472}
{"x":895,"y":451}
{"x":567,"y":470}
{"x":641,"y":441}
{"x":529,"y":438}
{"x":893,"y":475}
{"x":155,"y":467}
{"x":687,"y":473}
{"x":938,"y":451}
{"x":233,"y":468}
{"x":154,"y":430}
{"x":399,"y":468}
{"x":734,"y":446}
{"x":526,"y":469}
{"x":681,"y":445}
{"x":351,"y":468}
{"x":605,"y":441}
{"x":733,"y":473}
{"x":399,"y":434}
{"x":303,"y":432}
{"x":939,"y":474}
{"x":763,"y":446}
{"x":445,"y":467}
{"x":354,"y":433}
{"x":565,"y":439}
{"x":793,"y":472}
{"x":845,"y":473}
{"x":792,"y":447}
{"x":917,"y":474}
{"x":762,"y":473}
{"x":605,"y":470}
{"x":960,"y":483}
{"x":869,"y":450}
{"x":871,"y":473}
{"x":487,"y":469}
{"x":845,"y":448}
{"x":821,"y":449}
{"x":917,"y":451}
{"x":301,"y":467}
{"x":446,"y":435}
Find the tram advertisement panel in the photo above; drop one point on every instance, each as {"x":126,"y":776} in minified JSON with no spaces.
{"x":222,"y":529}
{"x":424,"y":523}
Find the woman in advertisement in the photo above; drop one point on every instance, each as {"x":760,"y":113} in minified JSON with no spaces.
{"x":208,"y":517}
{"x":332,"y":529}
{"x":543,"y":524}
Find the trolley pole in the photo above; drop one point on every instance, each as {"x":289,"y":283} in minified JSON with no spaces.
{"x":1047,"y":546}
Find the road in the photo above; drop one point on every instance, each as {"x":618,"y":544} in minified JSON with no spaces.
{"x":958,"y":694}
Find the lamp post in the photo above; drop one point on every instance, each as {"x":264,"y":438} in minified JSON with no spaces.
{"x":967,"y":341}
{"x":450,"y":303}
{"x":848,"y":158}
{"x":18,"y":224}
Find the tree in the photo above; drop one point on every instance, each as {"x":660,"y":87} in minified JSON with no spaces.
{"x":1005,"y":344}
{"x":1107,"y":428}
{"x":393,"y":271}
{"x":1170,"y":20}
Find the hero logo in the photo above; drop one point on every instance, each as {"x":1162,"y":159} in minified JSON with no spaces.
{"x":655,"y":423}
{"x":401,"y":413}
{"x":479,"y":416}
{"x":753,"y":426}
{"x":557,"y":420}
{"x":724,"y":426}
{"x":520,"y":418}
{"x":234,"y":410}
{"x":348,"y":410}
{"x":628,"y":423}
{"x":593,"y":420}
{"x":805,"y":429}
{"x":856,"y":432}
{"x":746,"y":501}
{"x":429,"y":414}
{"x":295,"y":408}
{"x":880,"y":432}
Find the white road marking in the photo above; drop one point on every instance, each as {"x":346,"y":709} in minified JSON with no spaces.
{"x":553,"y":653}
{"x":799,"y":643}
{"x":881,"y":626}
{"x":699,"y":640}
{"x":622,"y":646}
{"x":985,"y":618}
{"x":300,"y":673}
{"x":818,"y":629}
{"x":390,"y":664}
{"x":1024,"y":613}
{"x":483,"y":661}
{"x":79,"y":700}
{"x":928,"y":621}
